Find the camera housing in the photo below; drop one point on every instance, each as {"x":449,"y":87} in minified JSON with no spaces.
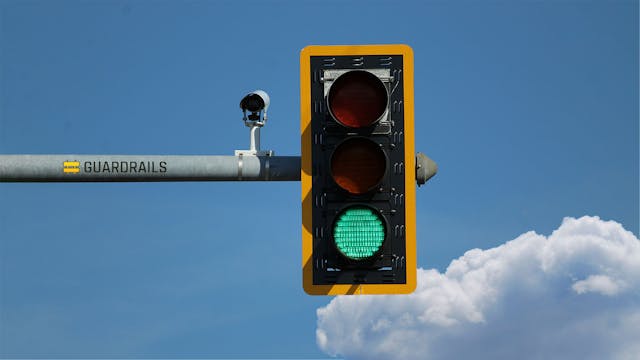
{"x":254,"y":107}
{"x":256,"y":104}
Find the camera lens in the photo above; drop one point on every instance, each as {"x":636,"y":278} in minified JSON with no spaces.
{"x":253,"y":103}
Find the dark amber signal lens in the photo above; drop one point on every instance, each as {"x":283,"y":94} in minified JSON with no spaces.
{"x":357,"y":99}
{"x":358,"y":165}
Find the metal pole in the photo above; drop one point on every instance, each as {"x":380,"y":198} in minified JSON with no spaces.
{"x":121,"y":168}
{"x":254,"y":142}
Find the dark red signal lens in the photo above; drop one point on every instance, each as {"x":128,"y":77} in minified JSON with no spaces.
{"x":358,"y":165}
{"x":357,"y":99}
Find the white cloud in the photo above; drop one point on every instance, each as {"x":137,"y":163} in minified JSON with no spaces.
{"x":572,"y":295}
{"x":598,"y":283}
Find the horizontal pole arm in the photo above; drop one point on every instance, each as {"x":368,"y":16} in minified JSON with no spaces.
{"x":133,"y":168}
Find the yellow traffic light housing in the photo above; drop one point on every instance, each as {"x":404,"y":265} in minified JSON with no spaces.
{"x":358,"y":170}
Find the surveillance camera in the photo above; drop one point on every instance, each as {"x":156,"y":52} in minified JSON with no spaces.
{"x":255,"y":102}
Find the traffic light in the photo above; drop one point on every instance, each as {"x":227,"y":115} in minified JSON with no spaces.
{"x":358,"y":170}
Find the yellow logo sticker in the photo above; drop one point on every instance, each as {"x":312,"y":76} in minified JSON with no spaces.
{"x":72,"y":167}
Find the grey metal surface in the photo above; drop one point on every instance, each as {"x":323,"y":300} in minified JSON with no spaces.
{"x":425,"y":168}
{"x":122,"y":168}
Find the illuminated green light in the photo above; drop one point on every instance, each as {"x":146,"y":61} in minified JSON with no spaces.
{"x":358,"y":233}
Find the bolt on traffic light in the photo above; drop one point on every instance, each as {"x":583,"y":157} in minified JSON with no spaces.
{"x":358,"y":170}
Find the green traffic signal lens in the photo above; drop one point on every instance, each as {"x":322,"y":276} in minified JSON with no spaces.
{"x":359,"y":232}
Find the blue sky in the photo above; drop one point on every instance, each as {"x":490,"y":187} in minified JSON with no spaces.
{"x":529,"y":108}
